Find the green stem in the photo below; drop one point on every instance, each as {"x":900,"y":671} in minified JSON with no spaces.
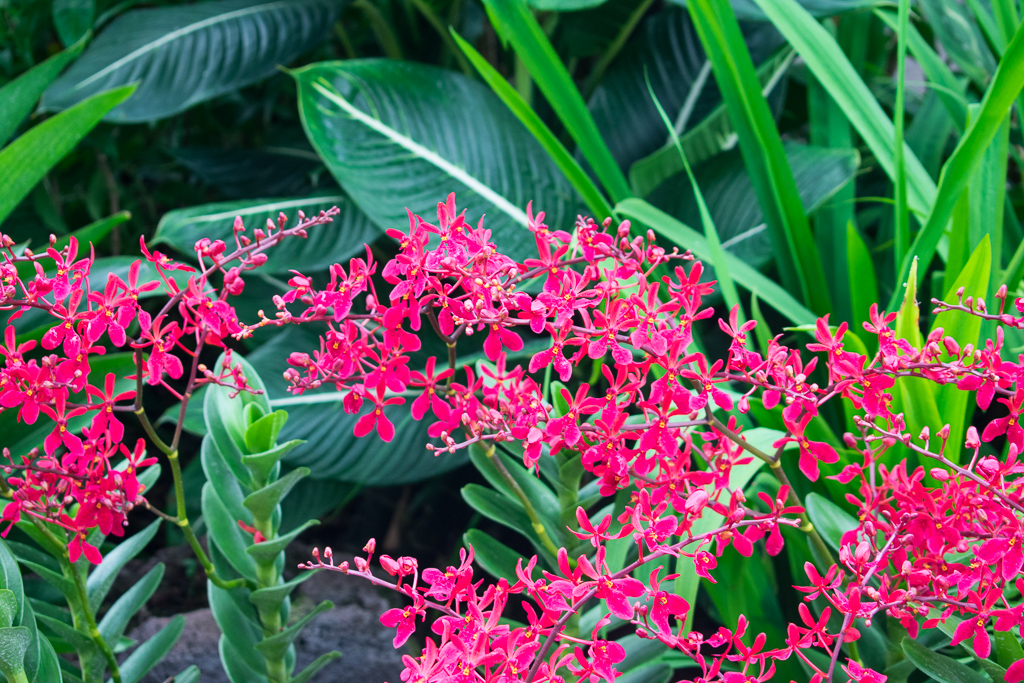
{"x":81,"y":610}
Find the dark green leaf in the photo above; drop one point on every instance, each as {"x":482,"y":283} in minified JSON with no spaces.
{"x":315,"y":666}
{"x":494,"y":556}
{"x":101,"y":578}
{"x":125,"y":607}
{"x":186,"y":54}
{"x":271,"y":598}
{"x":225,"y":532}
{"x":940,"y":667}
{"x":829,"y":519}
{"x":263,"y":501}
{"x":274,"y":647}
{"x":267,"y":551}
{"x":73,"y":19}
{"x":279,"y":171}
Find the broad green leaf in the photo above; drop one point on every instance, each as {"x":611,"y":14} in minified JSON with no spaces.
{"x":960,"y":37}
{"x":494,"y":556}
{"x":507,"y":512}
{"x":750,"y":11}
{"x":186,"y":54}
{"x":832,"y":68}
{"x":797,"y":259}
{"x":418,"y":131}
{"x":1008,"y":648}
{"x":125,"y":607}
{"x":595,"y":201}
{"x":543,"y":499}
{"x":146,"y":656}
{"x":73,"y":19}
{"x":24,"y":162}
{"x":102,"y":576}
{"x":953,"y":402}
{"x":728,"y":190}
{"x":940,"y":667}
{"x":517,"y":26}
{"x":688,"y":238}
{"x":665,"y":47}
{"x":565,"y":5}
{"x":325,"y":245}
{"x":830,"y":520}
{"x":10,"y":579}
{"x":20,"y":95}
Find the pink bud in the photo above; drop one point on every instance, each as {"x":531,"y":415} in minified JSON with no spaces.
{"x":972,"y":438}
{"x":939,"y":473}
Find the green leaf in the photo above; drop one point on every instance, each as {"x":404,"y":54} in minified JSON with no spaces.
{"x":515,"y":23}
{"x":147,"y":655}
{"x":830,"y":520}
{"x":415,"y":129}
{"x":225,"y":417}
{"x":326,"y":244}
{"x":966,"y":329}
{"x":241,"y":630}
{"x":102,"y":576}
{"x":728,"y":189}
{"x":8,"y":608}
{"x":505,"y":511}
{"x":225,"y":532}
{"x":14,"y":642}
{"x":271,"y":598}
{"x":863,"y":284}
{"x":187,"y":54}
{"x":10,"y":579}
{"x":543,"y":499}
{"x":267,"y":551}
{"x":940,"y":667}
{"x":261,"y":435}
{"x":189,"y":675}
{"x":20,"y":95}
{"x":494,"y":556}
{"x":292,"y":170}
{"x":73,"y":19}
{"x":1008,"y":648}
{"x":832,"y":68}
{"x":565,"y":5}
{"x":261,"y":464}
{"x":274,"y":647}
{"x":263,"y":501}
{"x":709,"y":137}
{"x":687,"y":238}
{"x":24,"y":162}
{"x":667,"y":48}
{"x":125,"y":607}
{"x":315,"y":666}
{"x":961,"y":38}
{"x":796,"y":257}
{"x":590,"y":193}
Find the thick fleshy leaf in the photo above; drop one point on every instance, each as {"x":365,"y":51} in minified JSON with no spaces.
{"x":73,"y":18}
{"x":146,"y":656}
{"x":186,"y":54}
{"x":819,"y":173}
{"x":422,"y":132}
{"x":668,"y":49}
{"x":334,"y":242}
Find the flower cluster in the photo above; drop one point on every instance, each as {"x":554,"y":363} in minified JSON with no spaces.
{"x":932,"y":545}
{"x":86,"y":477}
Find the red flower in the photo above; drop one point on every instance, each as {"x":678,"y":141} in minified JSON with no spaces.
{"x":811,"y":452}
{"x":377,"y":418}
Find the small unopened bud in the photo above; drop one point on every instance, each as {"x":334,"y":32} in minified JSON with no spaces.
{"x":925,"y":434}
{"x":972,"y":440}
{"x":939,"y":473}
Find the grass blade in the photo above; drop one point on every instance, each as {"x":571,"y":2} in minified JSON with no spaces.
{"x":761,"y":146}
{"x":552,"y":145}
{"x":515,"y":23}
{"x":830,"y":66}
{"x":729,"y":293}
{"x":902,"y":224}
{"x":686,"y":237}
